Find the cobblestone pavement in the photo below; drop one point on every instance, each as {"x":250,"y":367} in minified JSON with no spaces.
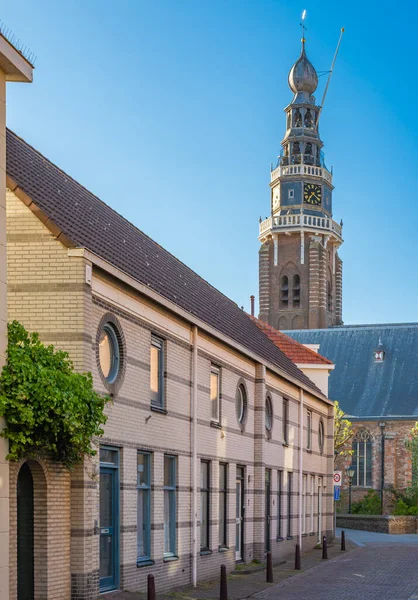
{"x":375,"y":572}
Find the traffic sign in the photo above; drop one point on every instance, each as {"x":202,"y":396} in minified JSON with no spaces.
{"x":337,"y":492}
{"x":338,"y":476}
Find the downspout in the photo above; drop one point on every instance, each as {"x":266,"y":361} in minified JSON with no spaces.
{"x":194,"y":457}
{"x":300,"y":466}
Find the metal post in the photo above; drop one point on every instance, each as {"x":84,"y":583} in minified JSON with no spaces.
{"x":223,"y":593}
{"x":343,"y":541}
{"x":382,"y":464}
{"x":151,"y":588}
{"x":324,"y":548}
{"x":269,"y":574}
{"x":297,"y":558}
{"x":349,"y":495}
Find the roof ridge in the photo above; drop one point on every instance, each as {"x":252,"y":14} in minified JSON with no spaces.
{"x":117,"y":213}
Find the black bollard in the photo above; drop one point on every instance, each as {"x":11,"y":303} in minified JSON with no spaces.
{"x":324,"y":547}
{"x":343,"y":541}
{"x":269,"y":573}
{"x":223,"y":594}
{"x":297,"y":558}
{"x":151,"y":588}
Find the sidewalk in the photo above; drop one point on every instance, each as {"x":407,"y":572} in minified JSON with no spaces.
{"x":241,"y":585}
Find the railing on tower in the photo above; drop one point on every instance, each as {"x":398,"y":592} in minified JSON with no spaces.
{"x":287,"y":222}
{"x":300,"y":164}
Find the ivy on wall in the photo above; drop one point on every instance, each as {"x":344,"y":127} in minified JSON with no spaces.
{"x":50,"y":410}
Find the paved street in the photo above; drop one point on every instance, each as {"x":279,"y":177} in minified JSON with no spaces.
{"x":384,"y":568}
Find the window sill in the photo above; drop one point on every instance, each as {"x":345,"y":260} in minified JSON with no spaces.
{"x":289,"y":537}
{"x":206,"y":552}
{"x":158,"y":409}
{"x":145,"y":563}
{"x":312,"y":533}
{"x":170,"y":558}
{"x":223,"y":549}
{"x":215,"y":425}
{"x":304,"y":535}
{"x":286,"y":444}
{"x":280,"y":539}
{"x":309,"y":450}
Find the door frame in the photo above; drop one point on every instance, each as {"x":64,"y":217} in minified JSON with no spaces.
{"x":114,"y":469}
{"x":241,"y":479}
{"x":320,"y":500}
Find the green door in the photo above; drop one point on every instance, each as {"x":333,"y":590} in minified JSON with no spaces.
{"x":109,"y":520}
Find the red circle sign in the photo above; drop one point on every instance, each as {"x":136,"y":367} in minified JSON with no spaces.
{"x":337,"y":478}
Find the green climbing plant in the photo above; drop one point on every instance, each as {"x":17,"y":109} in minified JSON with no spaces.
{"x":50,"y":409}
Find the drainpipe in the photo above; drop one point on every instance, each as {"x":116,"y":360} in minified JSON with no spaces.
{"x":194,"y":458}
{"x":300,"y":466}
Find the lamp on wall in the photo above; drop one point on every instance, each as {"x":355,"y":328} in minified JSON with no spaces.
{"x":350,"y":474}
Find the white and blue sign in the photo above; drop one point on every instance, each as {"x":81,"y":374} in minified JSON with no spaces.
{"x":337,"y":492}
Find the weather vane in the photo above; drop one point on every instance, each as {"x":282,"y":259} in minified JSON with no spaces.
{"x":303,"y":28}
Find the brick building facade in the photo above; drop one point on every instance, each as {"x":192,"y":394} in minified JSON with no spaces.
{"x":14,"y":67}
{"x":205,"y":457}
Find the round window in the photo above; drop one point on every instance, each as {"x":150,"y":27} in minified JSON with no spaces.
{"x":269,"y":414}
{"x":109,"y":353}
{"x":241,"y":404}
{"x":321,"y":435}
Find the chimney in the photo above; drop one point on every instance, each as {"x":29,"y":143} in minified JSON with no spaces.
{"x":252,"y":298}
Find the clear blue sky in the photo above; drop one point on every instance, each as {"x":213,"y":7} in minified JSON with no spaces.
{"x":172,"y":110}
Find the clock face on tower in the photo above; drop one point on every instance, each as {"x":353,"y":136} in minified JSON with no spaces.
{"x":312,"y":194}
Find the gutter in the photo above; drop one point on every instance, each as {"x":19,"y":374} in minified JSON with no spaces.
{"x":300,"y":467}
{"x":194,"y":457}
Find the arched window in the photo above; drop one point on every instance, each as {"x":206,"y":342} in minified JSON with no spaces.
{"x":329,"y":295}
{"x":284,"y":291}
{"x":298,"y":118}
{"x":296,"y":291}
{"x":362,"y":459}
{"x":308,"y":119}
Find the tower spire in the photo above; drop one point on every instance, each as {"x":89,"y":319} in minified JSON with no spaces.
{"x":302,"y":24}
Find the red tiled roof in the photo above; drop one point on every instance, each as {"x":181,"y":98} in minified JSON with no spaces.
{"x":298,"y":353}
{"x":87,"y":222}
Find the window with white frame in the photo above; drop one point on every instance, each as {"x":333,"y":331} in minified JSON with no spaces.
{"x":362,"y":459}
{"x":304,"y":484}
{"x":169,"y":505}
{"x":143,"y":487}
{"x":289,"y":504}
{"x":291,"y":194}
{"x":312,"y":504}
{"x":157,"y":372}
{"x":223,"y":505}
{"x":309,"y":430}
{"x":204,"y":505}
{"x":214,"y":394}
{"x":279,"y":504}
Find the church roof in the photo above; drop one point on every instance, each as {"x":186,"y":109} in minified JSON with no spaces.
{"x":363,"y":386}
{"x":88,"y":222}
{"x":297,"y":352}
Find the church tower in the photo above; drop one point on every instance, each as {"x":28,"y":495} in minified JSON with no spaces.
{"x":300,"y":272}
